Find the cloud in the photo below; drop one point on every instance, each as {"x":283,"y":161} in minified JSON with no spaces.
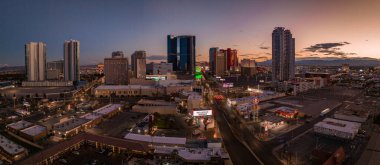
{"x":261,"y":58}
{"x":235,"y":45}
{"x":156,"y":57}
{"x":246,"y":55}
{"x":262,"y":46}
{"x":332,"y":48}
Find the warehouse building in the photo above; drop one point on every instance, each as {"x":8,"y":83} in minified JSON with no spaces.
{"x":152,"y":106}
{"x":34,"y":133}
{"x":18,"y":126}
{"x":337,"y":128}
{"x":10,"y":150}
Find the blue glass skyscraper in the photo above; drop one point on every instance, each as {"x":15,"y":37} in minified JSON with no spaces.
{"x":181,"y":53}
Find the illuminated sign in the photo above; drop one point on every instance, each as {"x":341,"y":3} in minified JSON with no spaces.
{"x":202,"y":113}
{"x":155,"y":77}
{"x":228,"y":85}
{"x":198,"y":72}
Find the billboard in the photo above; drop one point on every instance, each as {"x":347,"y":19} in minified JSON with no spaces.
{"x":228,"y":85}
{"x":202,"y":113}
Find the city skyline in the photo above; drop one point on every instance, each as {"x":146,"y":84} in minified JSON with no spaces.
{"x":144,"y":25}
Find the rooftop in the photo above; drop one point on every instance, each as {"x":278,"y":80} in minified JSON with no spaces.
{"x":123,"y":87}
{"x":155,"y":102}
{"x":34,"y":130}
{"x":59,"y":147}
{"x":20,"y":125}
{"x":91,"y":116}
{"x":70,"y":124}
{"x":156,"y":139}
{"x":194,"y":96}
{"x":339,"y":125}
{"x":192,"y":154}
{"x":108,"y":108}
{"x":9,"y":146}
{"x":167,"y":83}
{"x":285,"y":109}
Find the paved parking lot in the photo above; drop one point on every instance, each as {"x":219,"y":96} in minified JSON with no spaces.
{"x":313,"y":102}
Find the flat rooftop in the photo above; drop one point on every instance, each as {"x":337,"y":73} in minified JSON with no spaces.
{"x":192,"y":154}
{"x":339,"y":125}
{"x":194,"y":96}
{"x":108,"y":108}
{"x":156,"y":139}
{"x":34,"y":130}
{"x":10,"y":147}
{"x":155,"y":103}
{"x":285,"y":109}
{"x":20,"y":125}
{"x":91,"y":116}
{"x":168,"y":83}
{"x":70,"y":124}
{"x":123,"y":87}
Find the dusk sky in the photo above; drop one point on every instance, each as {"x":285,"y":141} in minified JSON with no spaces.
{"x":322,"y":28}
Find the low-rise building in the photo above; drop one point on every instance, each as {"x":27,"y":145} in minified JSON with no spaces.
{"x":70,"y":127}
{"x":109,"y":110}
{"x":157,"y":140}
{"x":337,"y":128}
{"x":194,"y":101}
{"x":16,"y":127}
{"x":10,"y":150}
{"x":34,"y":133}
{"x":94,"y":119}
{"x":286,"y":112}
{"x":355,"y":115}
{"x":192,"y":155}
{"x":163,"y":87}
{"x":152,"y":106}
{"x":47,"y":83}
{"x":127,"y":90}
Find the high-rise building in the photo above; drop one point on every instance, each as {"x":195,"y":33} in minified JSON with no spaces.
{"x":35,"y":61}
{"x":218,"y":61}
{"x":138,"y":60}
{"x":71,"y":58}
{"x":212,"y":54}
{"x":181,"y":53}
{"x":232,"y":59}
{"x":116,"y":69}
{"x":283,"y":55}
{"x":54,"y":70}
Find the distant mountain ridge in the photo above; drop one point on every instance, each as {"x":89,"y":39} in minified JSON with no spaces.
{"x":365,"y":61}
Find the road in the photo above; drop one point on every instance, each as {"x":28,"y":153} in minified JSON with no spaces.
{"x":239,"y":154}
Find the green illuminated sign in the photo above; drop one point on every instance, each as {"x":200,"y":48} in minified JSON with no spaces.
{"x":198,"y":72}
